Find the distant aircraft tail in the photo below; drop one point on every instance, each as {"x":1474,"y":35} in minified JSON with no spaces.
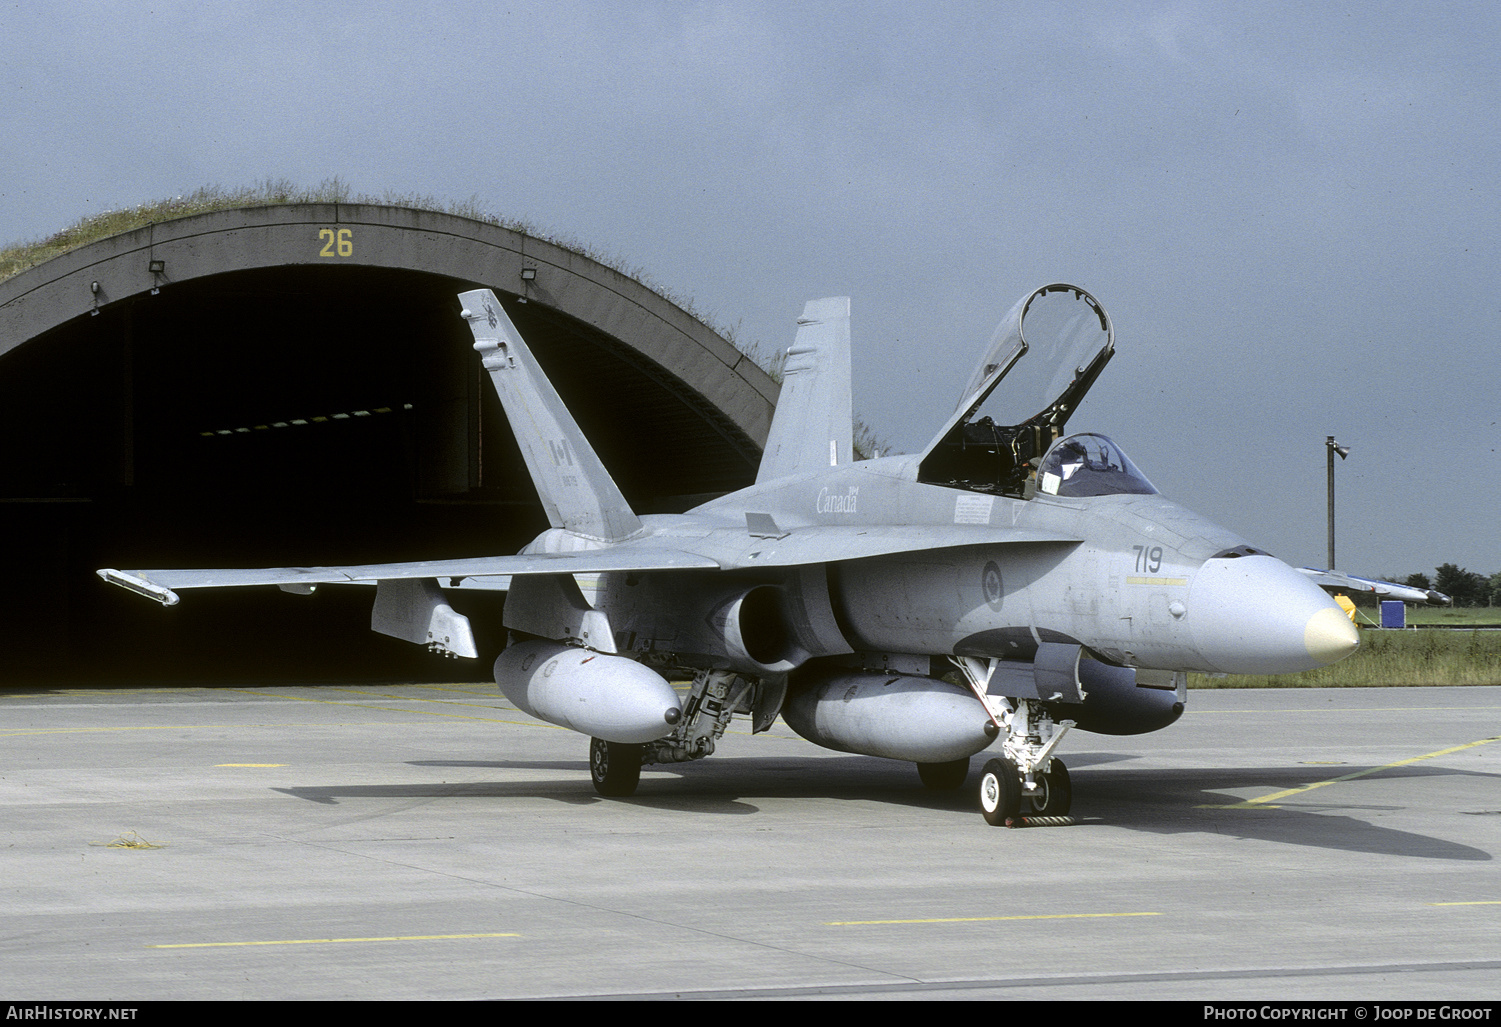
{"x":813,"y":426}
{"x":577,"y":492}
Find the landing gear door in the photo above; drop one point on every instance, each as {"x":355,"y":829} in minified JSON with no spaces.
{"x":1049,"y":349}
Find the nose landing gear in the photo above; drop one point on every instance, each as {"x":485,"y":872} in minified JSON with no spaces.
{"x":1027,"y":773}
{"x":1002,"y":792}
{"x":1055,"y":792}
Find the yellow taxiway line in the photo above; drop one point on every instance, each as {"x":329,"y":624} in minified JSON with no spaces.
{"x":326,"y":941}
{"x":1260,"y":802}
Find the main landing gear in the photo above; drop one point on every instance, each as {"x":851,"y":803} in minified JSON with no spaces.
{"x":615,"y":767}
{"x":716,"y":696}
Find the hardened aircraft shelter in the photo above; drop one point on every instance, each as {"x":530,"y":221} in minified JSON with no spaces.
{"x":292,"y":384}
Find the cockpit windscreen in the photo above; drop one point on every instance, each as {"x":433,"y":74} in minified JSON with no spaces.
{"x":1090,"y":465}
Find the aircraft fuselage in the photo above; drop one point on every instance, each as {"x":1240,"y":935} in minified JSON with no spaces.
{"x":1139,"y":580}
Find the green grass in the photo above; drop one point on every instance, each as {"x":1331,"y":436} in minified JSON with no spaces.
{"x":17,"y":257}
{"x":1390,"y":659}
{"x":1453,"y":616}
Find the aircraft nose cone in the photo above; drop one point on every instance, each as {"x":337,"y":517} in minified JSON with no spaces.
{"x":1330,"y":636}
{"x":1256,"y":615}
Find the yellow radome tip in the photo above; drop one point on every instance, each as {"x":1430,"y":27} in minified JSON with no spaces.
{"x":1330,"y":636}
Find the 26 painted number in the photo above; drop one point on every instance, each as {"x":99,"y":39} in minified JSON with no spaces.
{"x":340,"y":243}
{"x":1148,"y":559}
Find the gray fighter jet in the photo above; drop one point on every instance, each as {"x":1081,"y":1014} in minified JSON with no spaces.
{"x":1006,"y":584}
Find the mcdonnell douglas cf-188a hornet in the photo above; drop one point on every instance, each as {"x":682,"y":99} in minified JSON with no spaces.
{"x":1008,"y":583}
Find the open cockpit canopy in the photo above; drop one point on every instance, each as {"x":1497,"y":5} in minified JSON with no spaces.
{"x":1049,"y":349}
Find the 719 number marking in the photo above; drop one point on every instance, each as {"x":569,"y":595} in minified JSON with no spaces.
{"x":1148,"y":559}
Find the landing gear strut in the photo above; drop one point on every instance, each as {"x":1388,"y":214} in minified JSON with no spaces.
{"x":716,"y":696}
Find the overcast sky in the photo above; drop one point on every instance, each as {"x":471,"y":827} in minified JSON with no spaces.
{"x":1290,"y":210}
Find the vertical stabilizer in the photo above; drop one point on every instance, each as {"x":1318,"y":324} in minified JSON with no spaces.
{"x":813,"y":426}
{"x":577,"y":492}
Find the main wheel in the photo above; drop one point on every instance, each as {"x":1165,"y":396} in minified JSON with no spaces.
{"x":1056,"y":796}
{"x":1000,"y":792}
{"x":944,"y":777}
{"x":615,"y":767}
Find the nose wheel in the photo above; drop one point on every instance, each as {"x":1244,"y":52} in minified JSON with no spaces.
{"x":1055,"y":792}
{"x":1000,"y":792}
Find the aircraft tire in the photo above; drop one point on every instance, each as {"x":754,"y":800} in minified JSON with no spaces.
{"x":615,"y":767}
{"x":1000,"y":792}
{"x":1057,"y":796}
{"x":944,"y":777}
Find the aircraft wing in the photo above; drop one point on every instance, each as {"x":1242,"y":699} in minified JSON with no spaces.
{"x":1335,"y":581}
{"x":714,"y":550}
{"x":159,"y":584}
